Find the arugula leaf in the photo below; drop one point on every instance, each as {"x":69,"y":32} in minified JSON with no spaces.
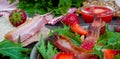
{"x":98,"y":51}
{"x":46,"y":50}
{"x":15,"y":51}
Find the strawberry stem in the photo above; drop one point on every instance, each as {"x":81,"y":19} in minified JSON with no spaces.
{"x":16,"y":17}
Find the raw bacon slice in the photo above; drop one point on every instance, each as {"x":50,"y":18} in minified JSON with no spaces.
{"x":64,"y":44}
{"x":57,"y":19}
{"x":43,"y":31}
{"x":29,"y":28}
{"x":6,"y":7}
{"x":93,"y":34}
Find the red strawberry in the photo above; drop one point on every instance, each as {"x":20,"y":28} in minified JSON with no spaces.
{"x":17,"y":17}
{"x":118,"y":21}
{"x":72,"y":20}
{"x":109,"y":53}
{"x":117,"y":29}
{"x":63,"y":55}
{"x":77,"y":28}
{"x":102,"y":30}
{"x":87,"y":44}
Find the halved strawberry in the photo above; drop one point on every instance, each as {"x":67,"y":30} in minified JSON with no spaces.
{"x":109,"y":53}
{"x":17,"y":17}
{"x":98,"y":11}
{"x":64,"y":55}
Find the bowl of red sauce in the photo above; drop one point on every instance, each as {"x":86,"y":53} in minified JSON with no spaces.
{"x":104,"y":12}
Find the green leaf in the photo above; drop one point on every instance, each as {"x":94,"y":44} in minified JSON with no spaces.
{"x":98,"y":51}
{"x":117,"y":56}
{"x":15,"y":51}
{"x":46,"y":50}
{"x":43,"y":6}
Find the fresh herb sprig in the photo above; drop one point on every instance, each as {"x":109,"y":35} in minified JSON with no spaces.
{"x":46,"y":50}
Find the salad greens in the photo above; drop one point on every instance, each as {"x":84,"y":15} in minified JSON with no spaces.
{"x":109,"y":40}
{"x":14,"y":51}
{"x":49,"y":50}
{"x":46,"y":50}
{"x":44,"y":6}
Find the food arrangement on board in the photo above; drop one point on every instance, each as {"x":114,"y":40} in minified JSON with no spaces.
{"x":96,"y":39}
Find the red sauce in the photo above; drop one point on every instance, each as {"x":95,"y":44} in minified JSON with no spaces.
{"x":103,"y":12}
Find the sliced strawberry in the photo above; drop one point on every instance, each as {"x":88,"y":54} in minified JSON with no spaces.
{"x":109,"y":53}
{"x":98,"y":11}
{"x":87,"y":44}
{"x":77,"y":28}
{"x":63,"y":55}
{"x":17,"y":17}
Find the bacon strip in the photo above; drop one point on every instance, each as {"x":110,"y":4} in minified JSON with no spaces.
{"x":64,"y":43}
{"x":43,"y":31}
{"x":57,"y":19}
{"x":28,"y":29}
{"x":6,"y":7}
{"x":93,"y":34}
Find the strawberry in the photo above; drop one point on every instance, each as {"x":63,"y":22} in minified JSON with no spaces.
{"x":64,"y":55}
{"x":87,"y":44}
{"x":118,"y":21}
{"x":77,"y":28}
{"x":109,"y":53}
{"x":117,"y":29}
{"x":17,"y":17}
{"x":102,"y":30}
{"x":72,"y":20}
